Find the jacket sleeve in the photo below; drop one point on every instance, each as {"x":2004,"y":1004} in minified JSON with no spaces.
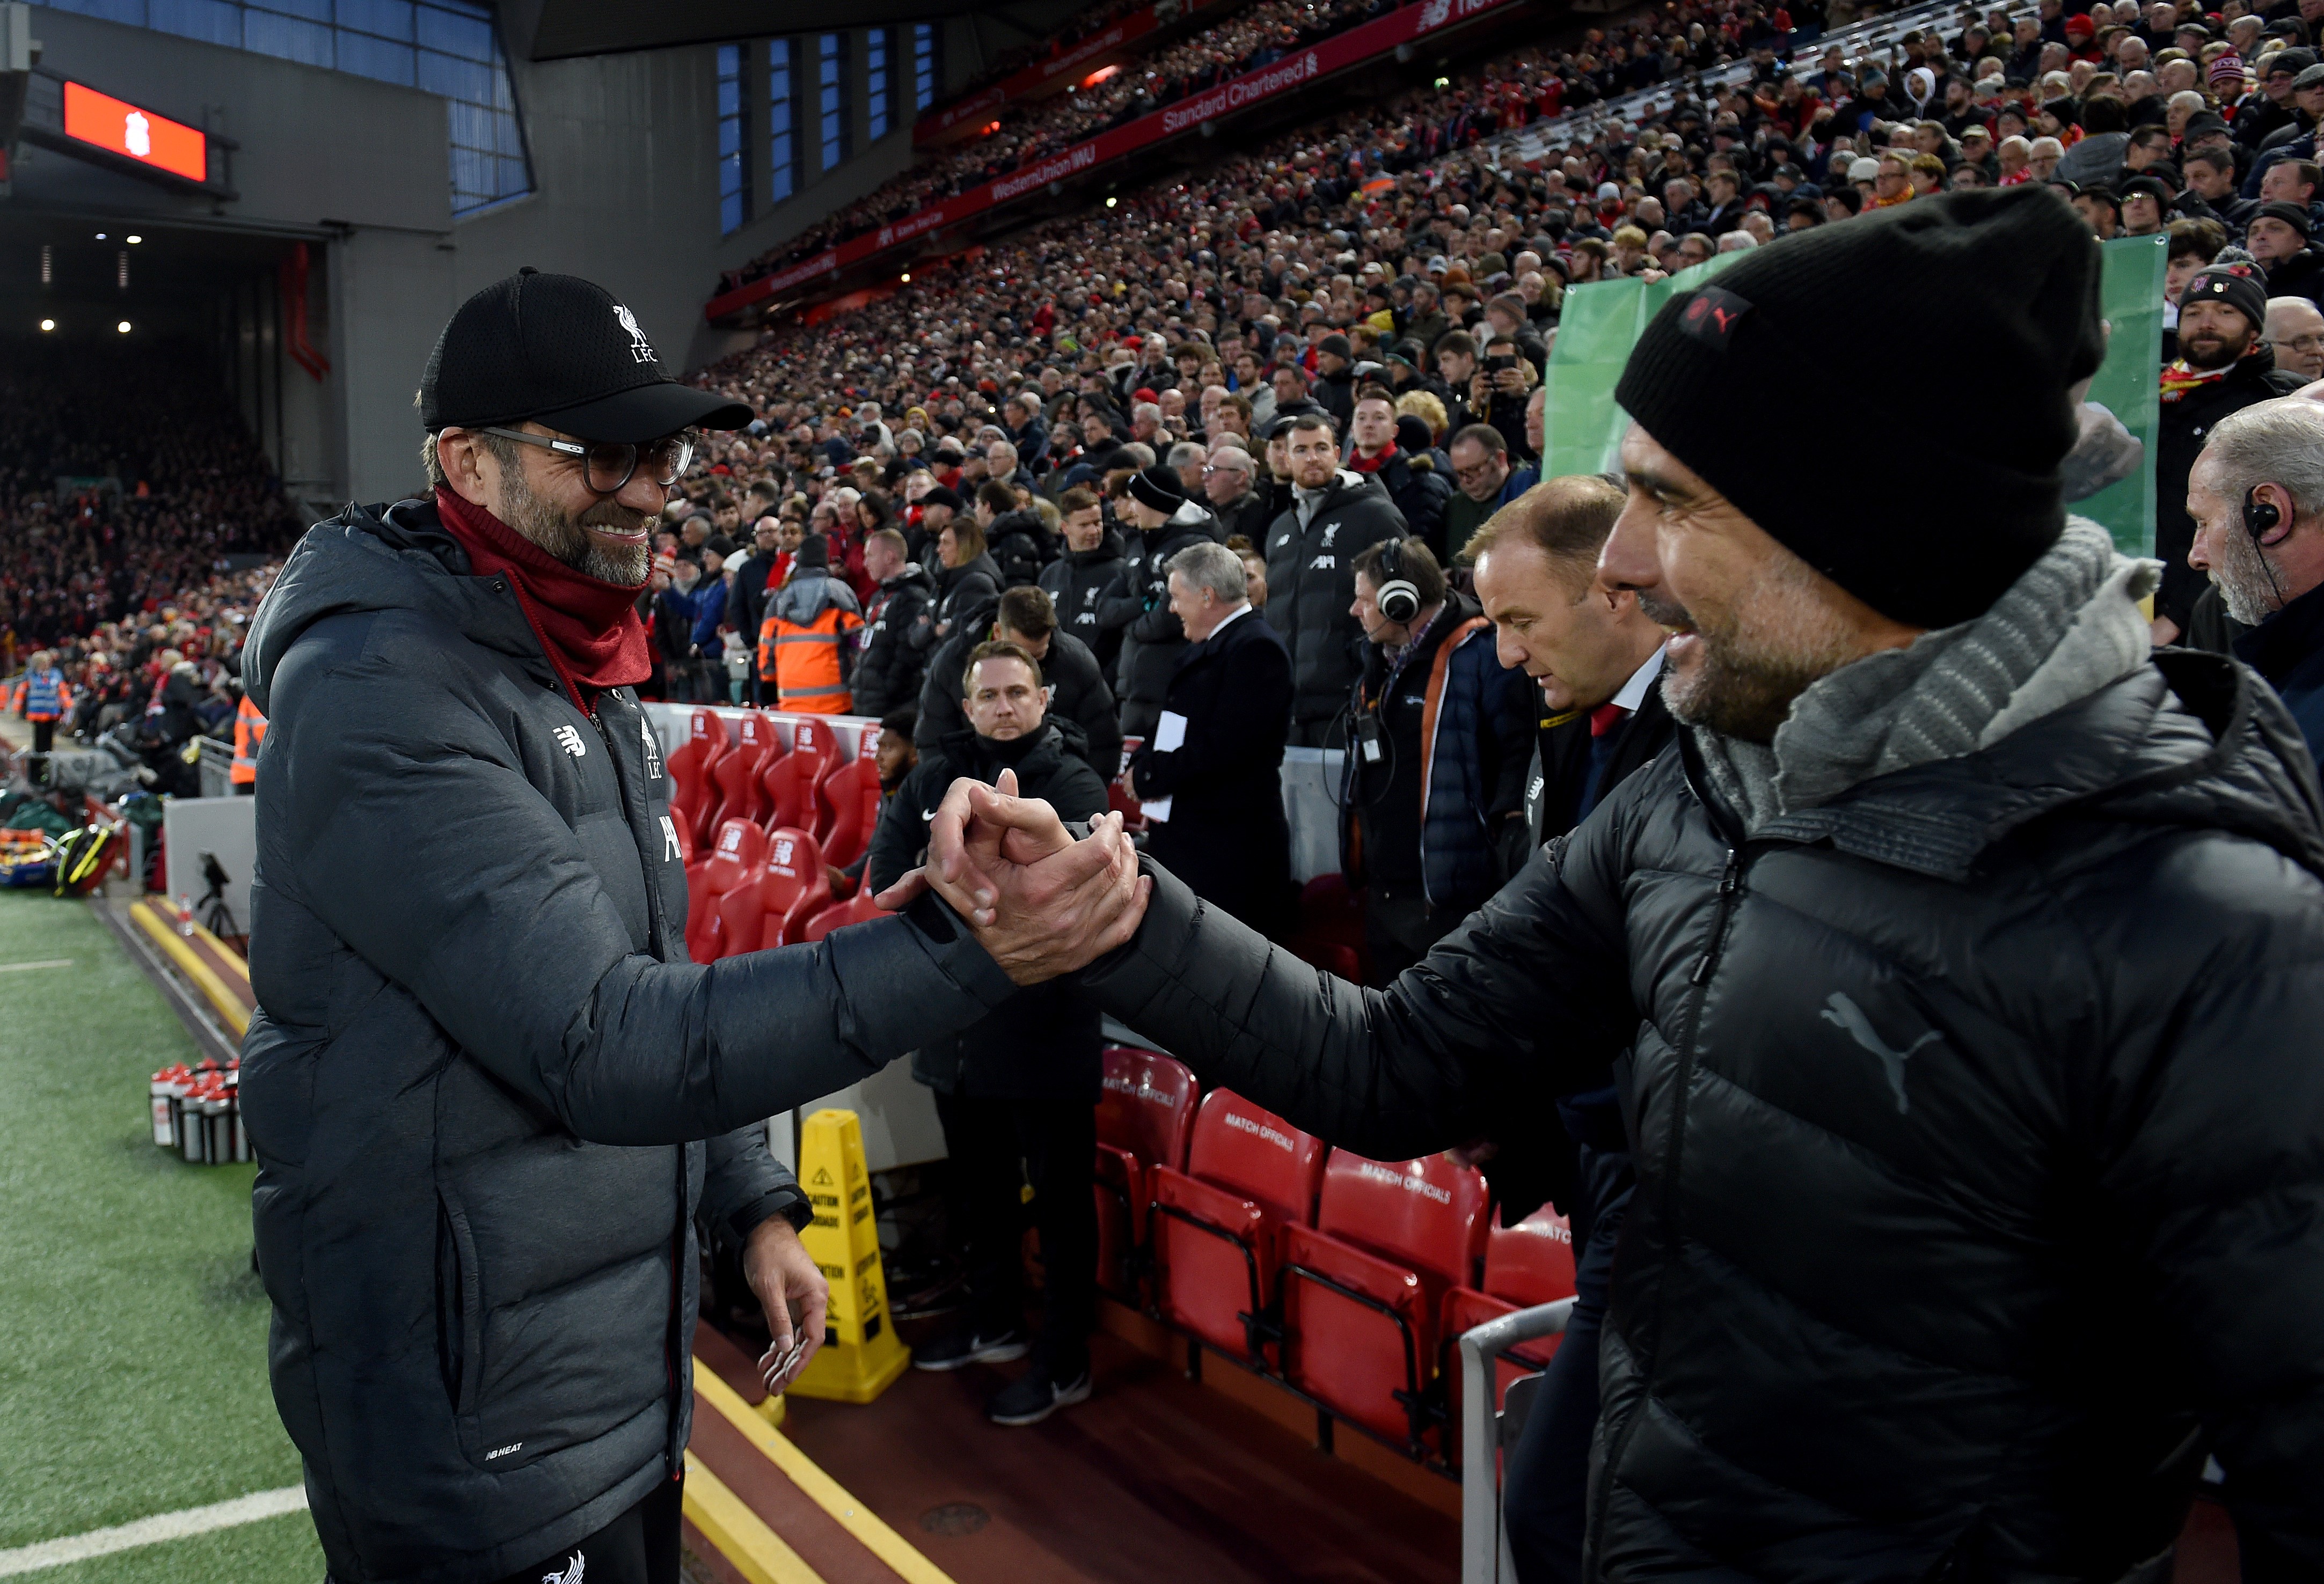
{"x":1122,"y":602}
{"x":1100,"y":719}
{"x":2210,"y":1161}
{"x":900,"y":836}
{"x":1509,"y":730}
{"x":743,"y":1184}
{"x":416,"y":838}
{"x":1527,"y":1001}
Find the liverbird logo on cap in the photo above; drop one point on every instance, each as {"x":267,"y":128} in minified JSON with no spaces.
{"x":640,"y":347}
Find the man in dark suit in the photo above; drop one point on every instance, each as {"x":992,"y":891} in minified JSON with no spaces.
{"x":1210,"y":778}
{"x":1598,"y":657}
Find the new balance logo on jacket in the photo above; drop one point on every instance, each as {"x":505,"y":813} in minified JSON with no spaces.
{"x":568,"y":738}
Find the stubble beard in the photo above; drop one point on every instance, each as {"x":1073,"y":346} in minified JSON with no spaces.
{"x":1778,"y":639}
{"x":2243,"y":580}
{"x":567,"y":539}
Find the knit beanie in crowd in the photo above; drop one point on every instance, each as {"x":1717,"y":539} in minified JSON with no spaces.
{"x":1928,"y":536}
{"x":815,"y":550}
{"x":1157,"y":487}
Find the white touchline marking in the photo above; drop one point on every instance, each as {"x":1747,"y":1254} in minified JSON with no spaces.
{"x":45,"y":963}
{"x":98,"y":1542}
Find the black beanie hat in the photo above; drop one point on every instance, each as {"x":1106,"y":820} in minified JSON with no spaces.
{"x":1158,"y":487}
{"x":941,"y":495}
{"x":2012,"y":272}
{"x":815,"y":550}
{"x":2237,"y":285}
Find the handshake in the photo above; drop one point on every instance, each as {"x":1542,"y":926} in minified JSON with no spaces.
{"x":1040,"y":903}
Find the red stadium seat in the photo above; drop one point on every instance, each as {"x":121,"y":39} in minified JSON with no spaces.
{"x":1218,"y":1225}
{"x":742,"y":794}
{"x":790,"y":781}
{"x":1145,"y":1110}
{"x":857,"y":910}
{"x":692,"y":793}
{"x":1363,"y":1289}
{"x":849,"y":801}
{"x":1118,"y":799}
{"x":1528,"y":1263}
{"x":733,"y":864}
{"x":790,"y":890}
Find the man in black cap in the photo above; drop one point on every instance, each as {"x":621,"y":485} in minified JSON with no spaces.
{"x":2277,"y":236}
{"x":1335,"y":390}
{"x":2223,"y":364}
{"x":1958,"y":971}
{"x":488,"y":1094}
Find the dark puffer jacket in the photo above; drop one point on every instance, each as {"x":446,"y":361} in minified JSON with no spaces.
{"x":1139,"y":609}
{"x":1311,"y":583}
{"x":1980,"y":1127}
{"x":1078,"y":694}
{"x":1076,"y":582}
{"x":966,"y":596}
{"x":482,"y":1065}
{"x":888,"y":671}
{"x":1021,"y":544}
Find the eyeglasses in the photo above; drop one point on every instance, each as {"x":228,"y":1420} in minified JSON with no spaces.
{"x":610,"y":465}
{"x":2310,"y":345}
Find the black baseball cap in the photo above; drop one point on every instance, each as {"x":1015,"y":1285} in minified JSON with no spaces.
{"x":559,"y":350}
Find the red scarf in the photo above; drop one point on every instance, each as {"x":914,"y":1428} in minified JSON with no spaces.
{"x":589,"y":630}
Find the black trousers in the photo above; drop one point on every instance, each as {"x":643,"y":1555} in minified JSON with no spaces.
{"x":997,"y":1147}
{"x":1400,"y":928}
{"x":44,"y":736}
{"x":640,"y":1547}
{"x":1546,"y":1486}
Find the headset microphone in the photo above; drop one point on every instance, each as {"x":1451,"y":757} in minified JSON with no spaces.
{"x":2261,"y":518}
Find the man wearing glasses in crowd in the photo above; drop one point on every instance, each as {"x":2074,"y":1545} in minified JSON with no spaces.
{"x":489,"y":1094}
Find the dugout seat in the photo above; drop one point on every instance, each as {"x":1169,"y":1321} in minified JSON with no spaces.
{"x":857,"y":910}
{"x":848,"y":800}
{"x":733,"y":862}
{"x":1218,"y":1224}
{"x":1145,"y":1110}
{"x":1528,"y":1263}
{"x":693,"y":794}
{"x":790,"y":781}
{"x":1363,"y":1289}
{"x":739,"y":774}
{"x":774,"y":910}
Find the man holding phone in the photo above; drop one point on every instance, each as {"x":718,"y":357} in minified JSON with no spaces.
{"x":1498,"y":392}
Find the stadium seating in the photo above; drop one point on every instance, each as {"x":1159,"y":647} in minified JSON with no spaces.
{"x":1528,"y":1263}
{"x":1145,"y":1110}
{"x":857,"y":910}
{"x":1331,"y":934}
{"x":693,"y":791}
{"x":849,"y":804}
{"x":739,"y":854}
{"x":789,"y":889}
{"x":1363,"y":1289}
{"x":790,"y":781}
{"x":740,"y":773}
{"x":1218,"y":1225}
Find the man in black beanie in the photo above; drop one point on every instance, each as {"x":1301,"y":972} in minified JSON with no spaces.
{"x":2224,"y":365}
{"x":1959,"y":973}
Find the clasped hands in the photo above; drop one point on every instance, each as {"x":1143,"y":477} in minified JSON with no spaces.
{"x":1039,"y":902}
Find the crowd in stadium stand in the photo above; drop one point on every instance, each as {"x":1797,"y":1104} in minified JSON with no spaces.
{"x":1651,"y":48}
{"x":127,"y":480}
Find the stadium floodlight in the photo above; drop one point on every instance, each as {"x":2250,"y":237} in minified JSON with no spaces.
{"x":47,"y":326}
{"x":123,"y":326}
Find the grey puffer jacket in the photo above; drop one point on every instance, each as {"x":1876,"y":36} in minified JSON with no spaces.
{"x":486,"y":1089}
{"x":1979,"y":1132}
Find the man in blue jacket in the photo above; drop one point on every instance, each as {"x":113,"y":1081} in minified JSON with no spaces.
{"x":488,"y":1094}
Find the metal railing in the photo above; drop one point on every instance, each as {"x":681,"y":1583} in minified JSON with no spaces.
{"x":1487,"y":1427}
{"x":1528,"y":143}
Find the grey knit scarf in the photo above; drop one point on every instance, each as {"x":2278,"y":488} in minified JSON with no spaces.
{"x":2070,"y":626}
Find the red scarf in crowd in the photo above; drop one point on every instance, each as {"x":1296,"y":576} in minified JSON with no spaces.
{"x":2178,"y":379}
{"x":590,"y":630}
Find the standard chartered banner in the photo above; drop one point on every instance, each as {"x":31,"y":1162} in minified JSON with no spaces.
{"x":2109,"y":478}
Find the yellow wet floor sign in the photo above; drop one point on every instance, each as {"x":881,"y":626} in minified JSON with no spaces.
{"x":861,"y":1353}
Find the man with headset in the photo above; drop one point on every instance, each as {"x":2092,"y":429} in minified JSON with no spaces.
{"x":2256,"y":494}
{"x":1440,"y":738}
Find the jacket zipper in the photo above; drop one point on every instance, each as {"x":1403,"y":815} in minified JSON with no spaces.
{"x":659,"y":936}
{"x":1730,"y":885}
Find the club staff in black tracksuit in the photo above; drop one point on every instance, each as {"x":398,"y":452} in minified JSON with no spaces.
{"x":1078,"y":690}
{"x":1021,"y":1086}
{"x":1138,"y":607}
{"x":746,"y":604}
{"x":487,"y":1091}
{"x":1079,"y":579}
{"x":1961,"y":966}
{"x":1213,"y":793}
{"x":889,"y":669}
{"x":1311,"y":577}
{"x":1598,"y":659}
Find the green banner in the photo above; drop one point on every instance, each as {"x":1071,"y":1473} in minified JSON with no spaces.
{"x":1602,"y":320}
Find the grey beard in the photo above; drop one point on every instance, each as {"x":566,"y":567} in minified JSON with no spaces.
{"x":567,"y":539}
{"x":2243,"y":580}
